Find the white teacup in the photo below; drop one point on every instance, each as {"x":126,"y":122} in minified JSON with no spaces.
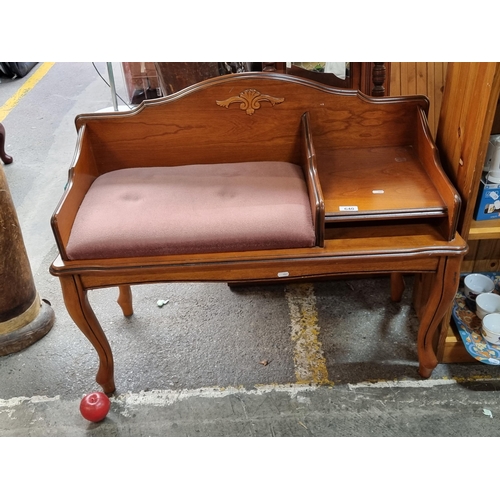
{"x":476,"y":283}
{"x":491,"y":328}
{"x":487,"y":303}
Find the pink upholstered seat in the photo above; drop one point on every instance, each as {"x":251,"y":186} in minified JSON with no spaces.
{"x":193,"y":209}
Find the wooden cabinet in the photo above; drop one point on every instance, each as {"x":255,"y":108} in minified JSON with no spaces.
{"x":371,"y":78}
{"x":470,"y":113}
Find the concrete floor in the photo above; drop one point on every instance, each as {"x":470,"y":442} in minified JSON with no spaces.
{"x":196,"y":366}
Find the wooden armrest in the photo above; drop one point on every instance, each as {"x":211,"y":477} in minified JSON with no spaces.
{"x":312,"y":180}
{"x":428,"y":152}
{"x":82,"y":174}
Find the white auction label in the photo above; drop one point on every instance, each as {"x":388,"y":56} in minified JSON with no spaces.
{"x":350,"y":208}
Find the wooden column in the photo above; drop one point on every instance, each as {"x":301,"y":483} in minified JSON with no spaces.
{"x":379,"y":76}
{"x":24,"y":318}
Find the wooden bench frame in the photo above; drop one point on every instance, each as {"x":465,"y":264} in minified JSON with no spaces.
{"x":273,"y":117}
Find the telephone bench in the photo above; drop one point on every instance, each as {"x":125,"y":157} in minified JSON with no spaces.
{"x":256,"y":177}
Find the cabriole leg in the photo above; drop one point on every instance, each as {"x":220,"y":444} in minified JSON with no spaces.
{"x":397,"y":287}
{"x":3,"y":155}
{"x":444,"y":289}
{"x":125,"y":300}
{"x":78,"y":306}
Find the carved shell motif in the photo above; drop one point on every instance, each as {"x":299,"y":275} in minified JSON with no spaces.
{"x":250,"y":100}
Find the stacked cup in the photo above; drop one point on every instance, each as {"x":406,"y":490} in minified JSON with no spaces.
{"x":476,"y":283}
{"x":492,"y":161}
{"x":479,"y":289}
{"x":491,"y":328}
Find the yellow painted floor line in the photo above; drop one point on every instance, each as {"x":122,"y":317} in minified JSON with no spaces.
{"x":310,"y":363}
{"x":27,"y":86}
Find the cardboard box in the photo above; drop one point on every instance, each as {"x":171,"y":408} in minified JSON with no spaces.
{"x":488,"y":201}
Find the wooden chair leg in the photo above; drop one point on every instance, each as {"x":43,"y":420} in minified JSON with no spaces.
{"x":3,"y":155}
{"x":78,"y":306}
{"x":125,"y":300}
{"x":444,"y":289}
{"x":397,"y":287}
